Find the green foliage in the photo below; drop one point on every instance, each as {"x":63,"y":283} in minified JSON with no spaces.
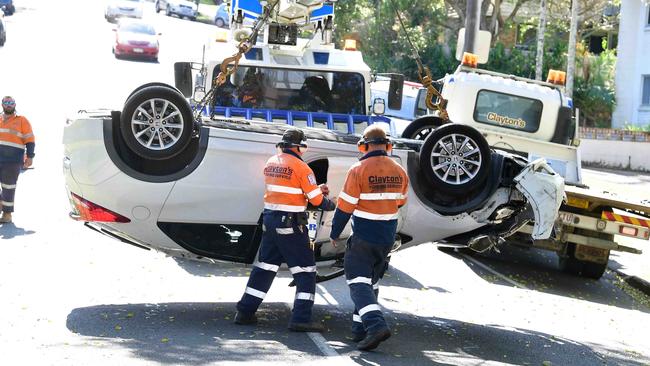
{"x":594,"y":91}
{"x":636,"y":128}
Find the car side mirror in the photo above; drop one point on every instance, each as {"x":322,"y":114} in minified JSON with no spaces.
{"x":183,"y":78}
{"x":379,"y":106}
{"x":395,"y":90}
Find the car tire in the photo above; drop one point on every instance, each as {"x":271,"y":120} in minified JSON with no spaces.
{"x":192,"y":18}
{"x":467,"y":154}
{"x":157,"y":123}
{"x":420,"y":128}
{"x":219,"y":22}
{"x":157,"y":8}
{"x":167,"y":11}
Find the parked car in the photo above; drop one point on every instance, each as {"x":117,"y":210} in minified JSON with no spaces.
{"x":182,"y":8}
{"x":222,"y":18}
{"x":3,"y":31}
{"x":136,"y":38}
{"x":7,"y":7}
{"x":123,"y":8}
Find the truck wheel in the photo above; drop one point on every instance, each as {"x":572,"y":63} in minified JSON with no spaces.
{"x":157,"y":123}
{"x":421,"y":127}
{"x":455,"y":158}
{"x":572,"y":265}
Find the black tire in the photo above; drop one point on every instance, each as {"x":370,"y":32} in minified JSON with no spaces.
{"x":219,"y":23}
{"x":572,"y":265}
{"x":192,"y":19}
{"x":167,"y":131}
{"x":157,"y":8}
{"x":143,"y":86}
{"x":422,"y":127}
{"x":167,"y":11}
{"x":468,"y":159}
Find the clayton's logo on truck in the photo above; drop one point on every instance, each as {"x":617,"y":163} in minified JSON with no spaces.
{"x":506,"y":121}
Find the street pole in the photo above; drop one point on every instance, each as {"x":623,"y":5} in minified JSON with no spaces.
{"x":472,"y":25}
{"x":573,"y":35}
{"x":541,"y":32}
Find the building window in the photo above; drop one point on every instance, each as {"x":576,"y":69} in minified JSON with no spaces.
{"x":645,"y":95}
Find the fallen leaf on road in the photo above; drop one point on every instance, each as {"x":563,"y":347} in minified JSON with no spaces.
{"x":164,"y":340}
{"x":117,"y":327}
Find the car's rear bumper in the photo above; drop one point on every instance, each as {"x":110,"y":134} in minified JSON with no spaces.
{"x":137,"y":51}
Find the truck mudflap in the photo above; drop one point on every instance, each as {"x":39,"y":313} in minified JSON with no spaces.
{"x":544,"y":190}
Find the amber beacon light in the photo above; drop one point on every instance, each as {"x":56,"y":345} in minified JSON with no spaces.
{"x":470,"y":60}
{"x":556,"y":77}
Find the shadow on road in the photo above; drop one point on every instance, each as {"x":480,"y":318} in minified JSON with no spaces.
{"x":10,"y":230}
{"x":539,"y":271}
{"x":203,"y":333}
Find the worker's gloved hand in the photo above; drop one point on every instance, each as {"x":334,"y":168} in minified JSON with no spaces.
{"x":327,"y":205}
{"x":324,"y":189}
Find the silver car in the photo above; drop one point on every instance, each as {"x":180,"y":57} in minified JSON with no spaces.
{"x":182,"y":8}
{"x":123,"y":8}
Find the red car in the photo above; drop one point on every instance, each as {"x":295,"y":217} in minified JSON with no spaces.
{"x":137,"y":39}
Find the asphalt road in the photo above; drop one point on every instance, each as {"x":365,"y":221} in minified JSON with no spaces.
{"x":69,"y":296}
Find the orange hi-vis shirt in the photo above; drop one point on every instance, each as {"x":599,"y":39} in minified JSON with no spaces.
{"x":290,"y":183}
{"x":375,"y":188}
{"x":15,"y":134}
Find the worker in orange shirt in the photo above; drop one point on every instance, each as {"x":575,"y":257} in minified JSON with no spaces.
{"x":290,"y":184}
{"x":374,"y":190}
{"x":16,"y":141}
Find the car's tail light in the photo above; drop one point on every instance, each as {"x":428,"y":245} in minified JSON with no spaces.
{"x":89,"y":211}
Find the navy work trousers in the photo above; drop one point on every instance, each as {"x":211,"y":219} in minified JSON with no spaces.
{"x":365,"y":264}
{"x":8,"y":177}
{"x":282,"y":244}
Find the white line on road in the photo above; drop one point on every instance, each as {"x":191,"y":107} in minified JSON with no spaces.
{"x":326,"y":349}
{"x":502,"y":276}
{"x":327,"y":296}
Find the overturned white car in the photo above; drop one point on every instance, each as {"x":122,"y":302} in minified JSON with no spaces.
{"x":156,"y":177}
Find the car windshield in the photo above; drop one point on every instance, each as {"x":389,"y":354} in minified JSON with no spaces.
{"x":137,"y":28}
{"x":299,"y":90}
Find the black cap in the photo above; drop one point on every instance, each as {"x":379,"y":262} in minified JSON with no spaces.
{"x":293,"y":138}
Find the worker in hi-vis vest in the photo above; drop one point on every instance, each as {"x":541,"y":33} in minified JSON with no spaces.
{"x":16,"y":141}
{"x":374,"y":190}
{"x":290,"y":185}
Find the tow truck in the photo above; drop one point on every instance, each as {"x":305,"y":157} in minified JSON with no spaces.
{"x":536,"y":119}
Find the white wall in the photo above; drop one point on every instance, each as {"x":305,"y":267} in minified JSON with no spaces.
{"x":616,"y":154}
{"x":633,"y":62}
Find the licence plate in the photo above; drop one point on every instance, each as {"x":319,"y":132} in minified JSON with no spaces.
{"x":566,"y":218}
{"x":138,"y":50}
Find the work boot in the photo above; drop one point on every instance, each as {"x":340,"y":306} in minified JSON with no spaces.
{"x":6,"y":217}
{"x":372,"y":340}
{"x":306,"y":327}
{"x":357,"y":337}
{"x":245,"y":318}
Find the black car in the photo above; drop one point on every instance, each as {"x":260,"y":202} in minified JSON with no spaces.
{"x":7,"y":7}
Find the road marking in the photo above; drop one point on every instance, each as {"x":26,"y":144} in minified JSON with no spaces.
{"x":327,"y":296}
{"x":489,"y":269}
{"x":326,"y":349}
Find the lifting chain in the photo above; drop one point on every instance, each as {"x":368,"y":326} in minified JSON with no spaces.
{"x":226,"y":69}
{"x":425,"y":77}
